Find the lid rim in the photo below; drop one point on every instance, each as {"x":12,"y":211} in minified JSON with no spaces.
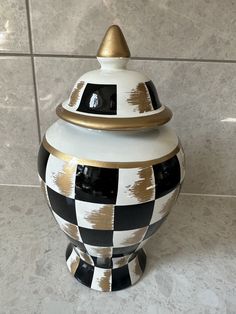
{"x":115,"y":124}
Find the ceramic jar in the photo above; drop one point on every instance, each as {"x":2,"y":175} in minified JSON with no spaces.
{"x":110,"y":169}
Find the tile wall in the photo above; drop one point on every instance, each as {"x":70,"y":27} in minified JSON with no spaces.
{"x":188,"y":48}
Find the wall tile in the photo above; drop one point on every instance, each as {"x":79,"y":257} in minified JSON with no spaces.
{"x":19,"y":139}
{"x":55,"y":80}
{"x":202,"y":97}
{"x":13,"y":26}
{"x":190,"y":268}
{"x":166,"y":28}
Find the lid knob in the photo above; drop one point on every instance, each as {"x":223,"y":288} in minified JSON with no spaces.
{"x":113,"y":44}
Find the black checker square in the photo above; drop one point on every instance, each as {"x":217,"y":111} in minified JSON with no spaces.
{"x":120,"y":278}
{"x":125,"y":250}
{"x":99,"y":99}
{"x":84,"y":273}
{"x":130,"y":217}
{"x":43,"y":156}
{"x":153,"y":228}
{"x":153,"y":95}
{"x":167,"y":176}
{"x":95,"y":237}
{"x":96,"y":184}
{"x":63,"y":206}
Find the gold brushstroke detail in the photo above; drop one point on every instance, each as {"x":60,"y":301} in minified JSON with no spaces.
{"x":102,"y":218}
{"x":108,"y":123}
{"x":71,"y":230}
{"x":143,"y":189}
{"x":64,"y":179}
{"x":113,"y":44}
{"x":74,"y":265}
{"x":108,"y":164}
{"x":121,"y":262}
{"x":86,"y":258}
{"x":139,"y":97}
{"x":170,"y":202}
{"x":135,"y":237}
{"x":137,"y":268}
{"x":75,"y":94}
{"x":104,"y":281}
{"x":103,"y":251}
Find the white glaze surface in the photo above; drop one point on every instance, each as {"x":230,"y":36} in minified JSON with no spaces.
{"x":116,"y":146}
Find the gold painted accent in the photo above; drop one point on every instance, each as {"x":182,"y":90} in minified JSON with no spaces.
{"x":103,"y":251}
{"x":170,"y":202}
{"x":74,"y":264}
{"x":108,"y":164}
{"x":137,"y":268}
{"x":113,"y":44}
{"x":86,"y":258}
{"x":140,"y":98}
{"x":64,"y":180}
{"x":121,"y":262}
{"x":75,"y":94}
{"x":135,"y":237}
{"x":144,"y":188}
{"x":71,"y":230}
{"x":102,"y":218}
{"x":101,"y":123}
{"x":104,"y":282}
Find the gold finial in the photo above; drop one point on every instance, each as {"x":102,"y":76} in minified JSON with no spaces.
{"x":114,"y":44}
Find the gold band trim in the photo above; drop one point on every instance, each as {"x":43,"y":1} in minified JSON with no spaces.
{"x":94,"y":122}
{"x":108,"y":164}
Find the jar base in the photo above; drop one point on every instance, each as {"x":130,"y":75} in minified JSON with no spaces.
{"x":97,"y":276}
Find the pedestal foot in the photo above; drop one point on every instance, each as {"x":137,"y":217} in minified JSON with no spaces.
{"x":105,"y":275}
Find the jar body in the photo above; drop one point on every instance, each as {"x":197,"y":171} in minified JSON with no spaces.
{"x":109,"y":193}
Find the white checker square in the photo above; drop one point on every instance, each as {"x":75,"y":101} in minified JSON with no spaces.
{"x":73,"y":260}
{"x":70,"y":229}
{"x":101,"y":279}
{"x":94,"y":216}
{"x":136,"y":185}
{"x":181,"y":159}
{"x":98,"y":251}
{"x":128,"y":237}
{"x":60,"y":176}
{"x":135,"y":270}
{"x":163,"y":205}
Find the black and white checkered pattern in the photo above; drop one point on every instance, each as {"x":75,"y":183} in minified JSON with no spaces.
{"x":107,"y":279}
{"x":96,"y":98}
{"x":100,"y":212}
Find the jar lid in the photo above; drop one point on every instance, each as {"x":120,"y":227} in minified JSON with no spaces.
{"x":112,"y":97}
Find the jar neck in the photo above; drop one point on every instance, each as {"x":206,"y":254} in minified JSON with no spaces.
{"x":113,"y":63}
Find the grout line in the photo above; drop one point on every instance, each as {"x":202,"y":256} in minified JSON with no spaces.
{"x":64,"y":56}
{"x":45,"y":55}
{"x":210,"y":195}
{"x":184,"y":60}
{"x":33,"y":69}
{"x":15,"y":54}
{"x":20,"y":185}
